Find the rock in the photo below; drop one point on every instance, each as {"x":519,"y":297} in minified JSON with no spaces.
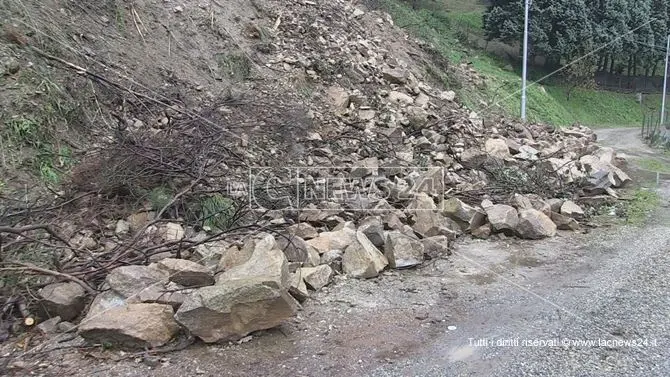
{"x":521,"y":202}
{"x":339,"y":98}
{"x":555,"y":204}
{"x":129,"y":281}
{"x":418,"y":118}
{"x":50,"y":326}
{"x":458,"y":211}
{"x":400,"y":98}
{"x":483,"y":232}
{"x":105,"y":301}
{"x":267,"y":264}
{"x":540,"y":204}
{"x":294,"y":247}
{"x":436,"y":247}
{"x":303,"y":230}
{"x":186,"y":273}
{"x":122,"y":228}
{"x":571,"y":209}
{"x":230,"y":311}
{"x":209,"y":254}
{"x":473,"y":158}
{"x":564,"y":222}
{"x":449,"y":96}
{"x":67,"y":327}
{"x":173,"y":295}
{"x":566,"y":168}
{"x":298,"y":288}
{"x":316,"y":277}
{"x":497,"y":148}
{"x":338,"y":240}
{"x":138,"y":220}
{"x":233,"y":257}
{"x":503,"y":218}
{"x":65,"y":300}
{"x":427,"y":221}
{"x":373,"y":228}
{"x":365,"y":168}
{"x":403,"y":251}
{"x":535,"y":225}
{"x":171,"y":232}
{"x":333,"y":258}
{"x":395,"y":76}
{"x":362,"y":259}
{"x":131,"y":325}
{"x":528,"y":153}
{"x":597,"y":168}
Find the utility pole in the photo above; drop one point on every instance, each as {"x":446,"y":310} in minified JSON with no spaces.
{"x":525,"y":62}
{"x":665,"y":82}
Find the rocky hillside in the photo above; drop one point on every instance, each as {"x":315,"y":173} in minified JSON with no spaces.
{"x":200,"y":168}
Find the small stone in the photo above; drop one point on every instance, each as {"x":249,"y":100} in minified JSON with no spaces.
{"x":298,"y":288}
{"x":316,"y":277}
{"x":122,"y":228}
{"x":564,"y":222}
{"x":571,"y":209}
{"x":50,"y":326}
{"x":483,"y":232}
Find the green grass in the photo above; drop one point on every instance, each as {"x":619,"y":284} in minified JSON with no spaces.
{"x":643,"y":203}
{"x":443,"y":28}
{"x":654,"y":165}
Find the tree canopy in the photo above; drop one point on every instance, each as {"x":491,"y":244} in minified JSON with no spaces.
{"x":629,"y":35}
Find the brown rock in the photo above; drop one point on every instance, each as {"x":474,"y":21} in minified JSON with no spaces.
{"x":65,"y":300}
{"x":131,"y":325}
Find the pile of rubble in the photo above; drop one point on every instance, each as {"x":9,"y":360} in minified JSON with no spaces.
{"x":392,"y":174}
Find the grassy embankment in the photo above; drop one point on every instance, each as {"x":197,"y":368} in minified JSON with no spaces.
{"x":455,"y":28}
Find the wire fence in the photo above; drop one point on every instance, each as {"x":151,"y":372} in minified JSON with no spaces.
{"x":655,"y":132}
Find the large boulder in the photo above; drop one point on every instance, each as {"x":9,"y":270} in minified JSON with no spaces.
{"x":230,"y":311}
{"x":267,"y":264}
{"x":234,"y":256}
{"x":403,"y":251}
{"x":65,"y":300}
{"x":535,"y":225}
{"x":129,"y":281}
{"x":131,"y":325}
{"x":362,"y":259}
{"x":186,"y":273}
{"x":503,"y":218}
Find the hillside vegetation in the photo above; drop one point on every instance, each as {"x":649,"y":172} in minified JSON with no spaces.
{"x":455,"y":28}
